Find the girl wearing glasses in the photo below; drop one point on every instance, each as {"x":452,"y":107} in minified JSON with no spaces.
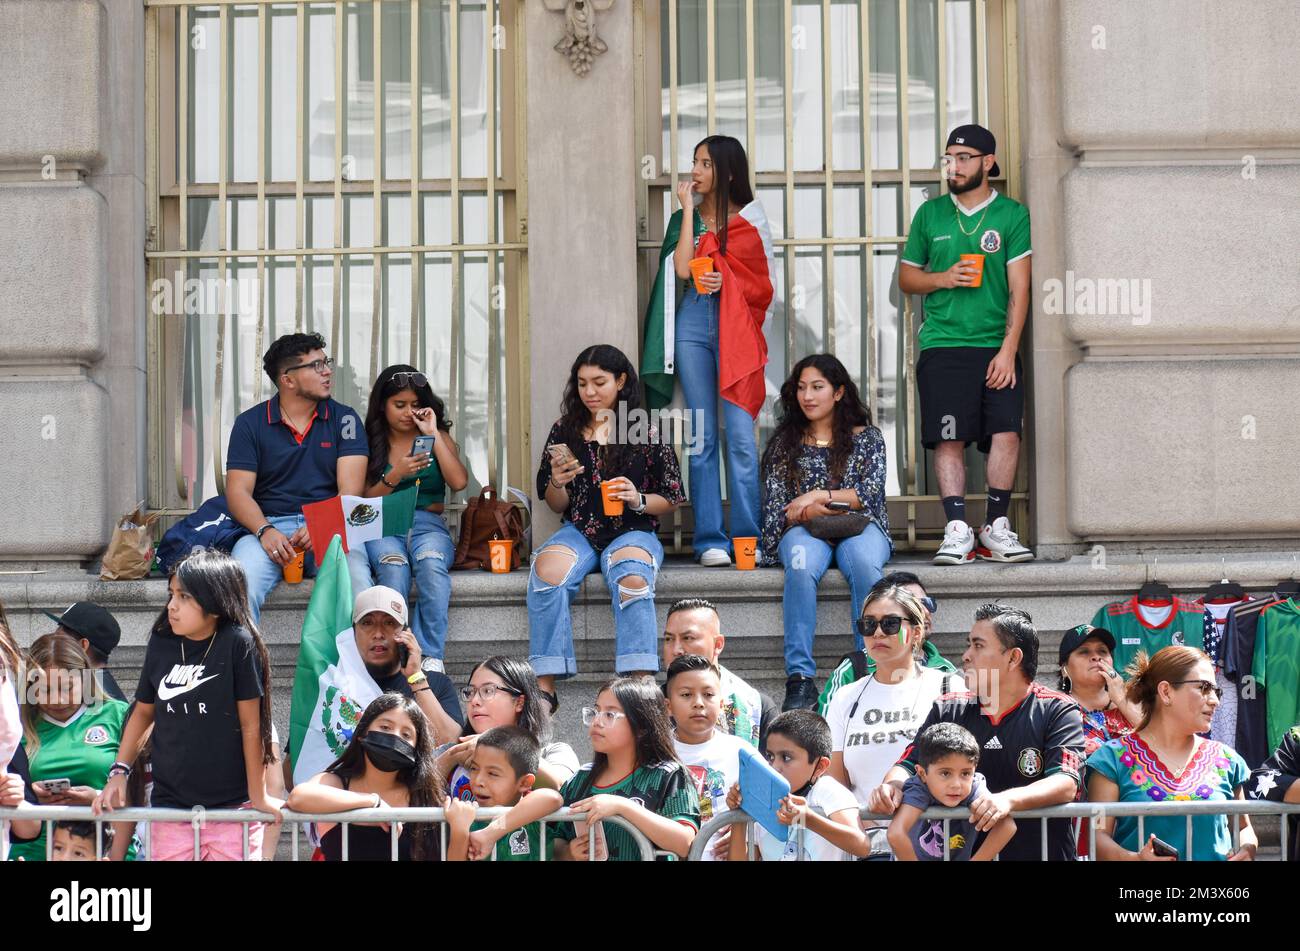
{"x":824,"y":452}
{"x":1167,"y":759}
{"x":875,"y":719}
{"x":402,"y":407}
{"x":503,"y":691}
{"x":634,"y":775}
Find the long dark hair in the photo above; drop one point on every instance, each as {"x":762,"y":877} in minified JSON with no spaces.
{"x":643,"y":705}
{"x":783,"y":448}
{"x":216,"y":581}
{"x":574,"y":414}
{"x":730,"y":165}
{"x":423,"y":785}
{"x":519,"y":675}
{"x":377,"y":421}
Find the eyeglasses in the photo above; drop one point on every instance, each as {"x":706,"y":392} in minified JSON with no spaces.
{"x":1205,"y":686}
{"x":606,"y":717}
{"x":889,"y":625}
{"x":316,"y":365}
{"x":964,"y":156}
{"x":487,"y":692}
{"x":405,"y":378}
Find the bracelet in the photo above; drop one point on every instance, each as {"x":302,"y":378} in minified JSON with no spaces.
{"x":378,"y":801}
{"x":418,"y":689}
{"x":119,"y":769}
{"x":385,"y":481}
{"x":557,"y":485}
{"x":830,"y":497}
{"x":262,"y":531}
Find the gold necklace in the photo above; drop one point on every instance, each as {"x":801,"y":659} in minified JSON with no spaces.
{"x":977,"y":224}
{"x":204,"y":659}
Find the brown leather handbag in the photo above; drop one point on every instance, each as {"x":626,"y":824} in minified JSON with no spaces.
{"x":485,"y":518}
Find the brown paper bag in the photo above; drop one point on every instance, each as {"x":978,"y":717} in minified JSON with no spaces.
{"x":130,"y":553}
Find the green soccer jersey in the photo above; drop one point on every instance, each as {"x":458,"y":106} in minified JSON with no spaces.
{"x":1276,"y":667}
{"x":80,"y":751}
{"x":1139,"y":627}
{"x":942,"y":231}
{"x":666,"y":789}
{"x":522,"y":845}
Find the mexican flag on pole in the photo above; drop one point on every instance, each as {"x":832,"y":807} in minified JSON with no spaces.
{"x":331,"y":687}
{"x":357,"y":520}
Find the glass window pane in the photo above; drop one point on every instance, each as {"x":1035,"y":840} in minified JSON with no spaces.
{"x":923,"y":76}
{"x":883,"y":28}
{"x":205,"y":95}
{"x":846,"y":85}
{"x":962,"y":64}
{"x":243,"y":95}
{"x":473,"y":90}
{"x":282,"y":89}
{"x":806,"y":80}
{"x":320,"y":93}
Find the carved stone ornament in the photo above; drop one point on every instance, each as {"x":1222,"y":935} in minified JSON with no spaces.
{"x":580,"y":44}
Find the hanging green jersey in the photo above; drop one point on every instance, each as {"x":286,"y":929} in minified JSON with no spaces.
{"x":942,"y":231}
{"x":522,"y":845}
{"x":1149,"y":627}
{"x":81,"y":751}
{"x":1276,"y":667}
{"x":665,"y":788}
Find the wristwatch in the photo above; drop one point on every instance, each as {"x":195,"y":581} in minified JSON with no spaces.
{"x":641,"y":503}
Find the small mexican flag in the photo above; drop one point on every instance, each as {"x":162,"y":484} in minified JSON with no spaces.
{"x":331,"y":687}
{"x":357,"y":520}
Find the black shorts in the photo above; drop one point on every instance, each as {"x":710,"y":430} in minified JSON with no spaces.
{"x":956,"y":406}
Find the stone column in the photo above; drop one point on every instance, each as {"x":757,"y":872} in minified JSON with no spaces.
{"x":71,"y":268}
{"x":582,"y":275}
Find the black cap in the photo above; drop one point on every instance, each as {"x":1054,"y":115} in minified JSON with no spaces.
{"x":1075,"y":636}
{"x":978,"y":138}
{"x":92,"y":622}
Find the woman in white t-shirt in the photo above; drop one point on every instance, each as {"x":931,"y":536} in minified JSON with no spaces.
{"x":875,"y":719}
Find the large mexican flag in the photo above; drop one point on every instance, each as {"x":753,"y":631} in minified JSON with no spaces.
{"x":357,"y":520}
{"x":331,"y":687}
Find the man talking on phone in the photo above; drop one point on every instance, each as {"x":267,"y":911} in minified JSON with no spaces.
{"x":968,"y":252}
{"x":299,"y":446}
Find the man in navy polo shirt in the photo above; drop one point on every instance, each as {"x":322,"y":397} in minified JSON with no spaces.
{"x":299,"y":446}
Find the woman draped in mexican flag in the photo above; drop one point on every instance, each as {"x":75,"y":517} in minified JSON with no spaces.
{"x":713,"y":341}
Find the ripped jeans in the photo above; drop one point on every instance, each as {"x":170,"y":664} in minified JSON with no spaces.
{"x":429,"y":545}
{"x":631,"y":583}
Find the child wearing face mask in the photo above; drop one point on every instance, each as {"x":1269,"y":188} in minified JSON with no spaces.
{"x":799,"y":748}
{"x":388,"y":764}
{"x":501,"y":772}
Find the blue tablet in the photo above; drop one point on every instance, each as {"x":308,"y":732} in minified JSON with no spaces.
{"x":761,"y":790}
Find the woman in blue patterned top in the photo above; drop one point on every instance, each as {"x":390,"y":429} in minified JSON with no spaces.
{"x":824,"y":449}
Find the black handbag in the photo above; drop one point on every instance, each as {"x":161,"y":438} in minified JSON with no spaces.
{"x":837,"y":525}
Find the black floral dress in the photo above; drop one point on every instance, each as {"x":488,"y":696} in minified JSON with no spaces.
{"x":864,"y":473}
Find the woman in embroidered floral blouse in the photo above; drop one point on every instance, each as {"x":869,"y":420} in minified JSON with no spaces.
{"x":602,"y":436}
{"x":1165,"y":759}
{"x":824,"y":449}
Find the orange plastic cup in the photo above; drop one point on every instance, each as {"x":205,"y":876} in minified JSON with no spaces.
{"x":978,"y":261}
{"x":499,"y":554}
{"x":613,"y":506}
{"x":699,"y":267}
{"x":746,"y":547}
{"x":293,"y":569}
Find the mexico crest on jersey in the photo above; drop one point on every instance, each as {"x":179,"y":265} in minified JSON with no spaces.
{"x":1030,"y":762}
{"x":990,"y":242}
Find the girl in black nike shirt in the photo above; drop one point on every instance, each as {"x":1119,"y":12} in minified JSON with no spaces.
{"x":205,"y":688}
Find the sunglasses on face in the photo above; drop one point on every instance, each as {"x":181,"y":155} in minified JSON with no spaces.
{"x":1205,"y":687}
{"x":930,"y":604}
{"x":889,"y":625}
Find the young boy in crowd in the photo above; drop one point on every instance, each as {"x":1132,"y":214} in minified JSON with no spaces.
{"x":695,"y":698}
{"x":946,"y":756}
{"x":502,"y":771}
{"x":799,"y":748}
{"x":75,"y":842}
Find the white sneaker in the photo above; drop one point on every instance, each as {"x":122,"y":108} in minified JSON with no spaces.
{"x":958,"y":546}
{"x":432,"y":664}
{"x":999,"y":543}
{"x":715,"y":558}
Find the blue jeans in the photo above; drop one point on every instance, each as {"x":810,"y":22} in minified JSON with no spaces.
{"x":636,"y":632}
{"x":430,"y":547}
{"x":861,"y":558}
{"x":262,"y":574}
{"x":696,"y":342}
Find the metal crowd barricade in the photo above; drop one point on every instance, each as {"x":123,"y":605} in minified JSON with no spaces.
{"x":198,"y":817}
{"x":1088,"y":813}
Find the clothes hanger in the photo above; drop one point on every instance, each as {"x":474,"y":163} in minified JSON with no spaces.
{"x":1153,"y":590}
{"x":1291,"y":587}
{"x":1223,"y":589}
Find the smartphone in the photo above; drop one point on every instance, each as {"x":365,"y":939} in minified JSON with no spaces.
{"x":1160,"y":847}
{"x":403,"y":656}
{"x":55,"y":786}
{"x":560,"y":453}
{"x":423,"y":444}
{"x":838,"y":506}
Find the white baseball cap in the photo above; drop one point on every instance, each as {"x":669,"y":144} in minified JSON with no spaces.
{"x":380,"y":598}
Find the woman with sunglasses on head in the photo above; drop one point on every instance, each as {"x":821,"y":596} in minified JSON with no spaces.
{"x":403,"y":407}
{"x":1165,"y":758}
{"x":503,"y":691}
{"x":875,"y":719}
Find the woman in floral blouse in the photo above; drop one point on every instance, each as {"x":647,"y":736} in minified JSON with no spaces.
{"x":824,"y":449}
{"x":601,"y":436}
{"x":1165,"y":759}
